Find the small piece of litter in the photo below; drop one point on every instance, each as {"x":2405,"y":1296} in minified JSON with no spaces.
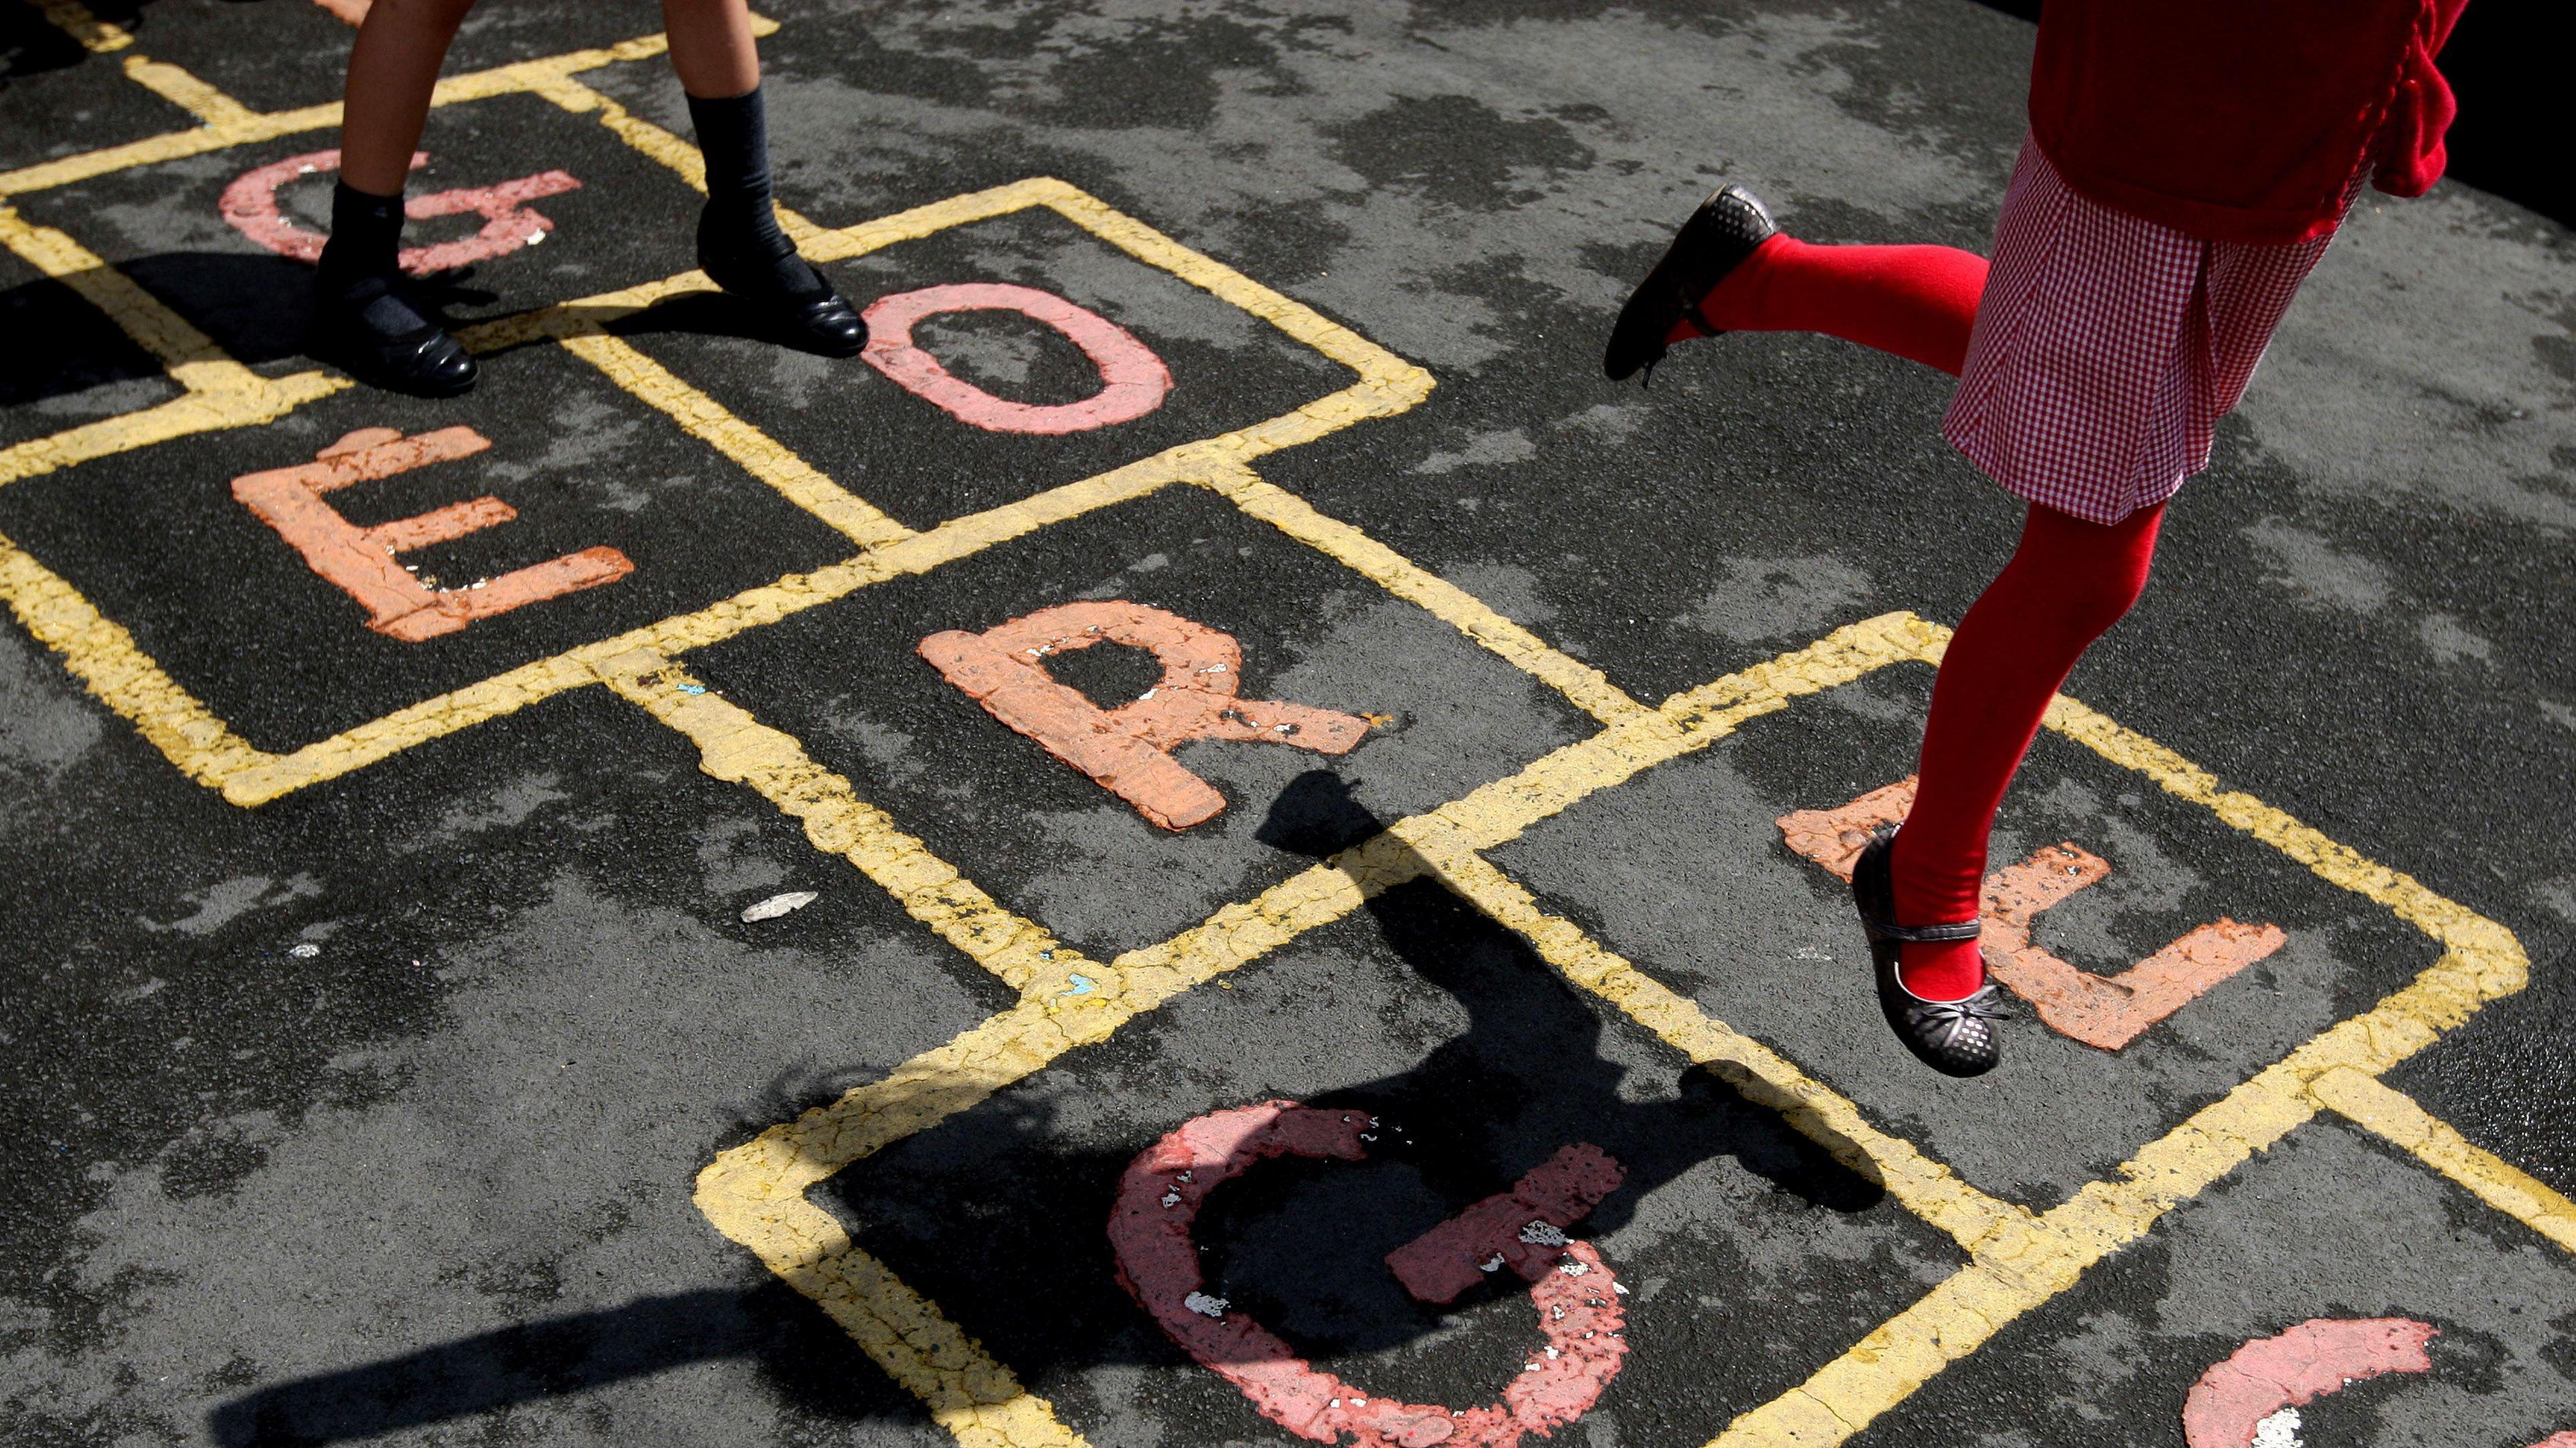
{"x":1543,"y":1234}
{"x":1553,"y":1353}
{"x":1204,"y":1305}
{"x":1171,"y":1199}
{"x":306,"y":951}
{"x":1573,"y":1269}
{"x":777,"y":905}
{"x":1619,"y":1288}
{"x":1078,"y":984}
{"x":690,"y":688}
{"x":1491,"y":1264}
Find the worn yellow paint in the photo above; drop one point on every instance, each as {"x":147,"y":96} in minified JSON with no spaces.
{"x":241,"y":126}
{"x":192,"y":360}
{"x":212,"y":410}
{"x":1588,"y":688}
{"x":759,"y":454}
{"x":736,"y":747}
{"x":104,"y":658}
{"x":279,"y":774}
{"x":1386,"y":385}
{"x":175,"y":85}
{"x":2393,"y":1115}
{"x":74,"y":19}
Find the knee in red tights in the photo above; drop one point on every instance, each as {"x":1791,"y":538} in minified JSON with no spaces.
{"x":2067,"y":583}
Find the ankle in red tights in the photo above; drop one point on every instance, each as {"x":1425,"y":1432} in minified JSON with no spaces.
{"x":2067,"y":583}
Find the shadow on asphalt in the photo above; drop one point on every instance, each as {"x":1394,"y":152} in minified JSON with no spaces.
{"x":1302,"y":1243}
{"x":259,"y":309}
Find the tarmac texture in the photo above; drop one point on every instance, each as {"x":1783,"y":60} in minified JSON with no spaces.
{"x":661,"y":957}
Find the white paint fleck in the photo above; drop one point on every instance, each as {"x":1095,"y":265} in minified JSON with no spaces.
{"x":306,"y":951}
{"x":1491,"y":1264}
{"x":1204,"y":1305}
{"x":2281,"y":1430}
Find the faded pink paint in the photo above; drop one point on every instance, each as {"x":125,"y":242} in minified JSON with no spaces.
{"x":1133,"y":380}
{"x":2319,"y":1356}
{"x":1450,"y":1258}
{"x":1572,"y":1290}
{"x":250,"y":204}
{"x":2558,"y":1440}
{"x":1127,"y":749}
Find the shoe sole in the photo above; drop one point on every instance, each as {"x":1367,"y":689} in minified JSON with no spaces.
{"x":1661,"y":301}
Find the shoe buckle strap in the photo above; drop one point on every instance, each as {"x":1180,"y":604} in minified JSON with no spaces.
{"x":1925,"y":934}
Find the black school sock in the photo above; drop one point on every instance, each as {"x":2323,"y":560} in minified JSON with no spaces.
{"x":740,"y":223}
{"x":359,"y":266}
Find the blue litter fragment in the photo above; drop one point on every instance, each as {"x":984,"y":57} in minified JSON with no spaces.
{"x":691,"y":688}
{"x":1082,"y":985}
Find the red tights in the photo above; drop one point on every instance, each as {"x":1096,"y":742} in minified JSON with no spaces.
{"x":2068,"y":581}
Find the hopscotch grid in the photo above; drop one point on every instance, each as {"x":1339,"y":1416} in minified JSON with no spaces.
{"x":2017,"y":1260}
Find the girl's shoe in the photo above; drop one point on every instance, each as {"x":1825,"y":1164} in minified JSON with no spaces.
{"x":1954,"y":1038}
{"x":792,"y":300}
{"x":370,"y":330}
{"x":1719,"y":236}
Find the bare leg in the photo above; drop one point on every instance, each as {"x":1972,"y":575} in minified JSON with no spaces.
{"x":711,"y":46}
{"x":392,"y":69}
{"x":362,"y":319}
{"x":740,"y":245}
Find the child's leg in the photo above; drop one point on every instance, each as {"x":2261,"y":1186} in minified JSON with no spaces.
{"x":2067,"y":583}
{"x":1915,"y":301}
{"x":392,"y":69}
{"x":740,"y":244}
{"x":360,"y":319}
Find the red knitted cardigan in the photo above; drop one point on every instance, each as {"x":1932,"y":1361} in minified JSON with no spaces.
{"x":2241,"y":120}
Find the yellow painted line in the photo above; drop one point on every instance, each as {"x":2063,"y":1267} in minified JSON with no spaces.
{"x":74,"y":19}
{"x":242,"y":126}
{"x":2393,"y":1115}
{"x":106,"y":661}
{"x":212,"y":410}
{"x":175,"y":85}
{"x":759,"y":454}
{"x":191,"y":358}
{"x":1588,"y":688}
{"x":1923,"y":1186}
{"x":755,"y":1193}
{"x":1387,"y":385}
{"x":1496,"y":813}
{"x":738,"y":748}
{"x":279,"y":774}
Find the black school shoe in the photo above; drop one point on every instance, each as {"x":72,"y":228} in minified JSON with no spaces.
{"x":790,"y":299}
{"x":1955,"y":1038}
{"x":369,"y":330}
{"x":1717,"y":238}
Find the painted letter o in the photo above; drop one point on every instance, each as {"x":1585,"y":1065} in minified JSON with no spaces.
{"x":1133,"y":380}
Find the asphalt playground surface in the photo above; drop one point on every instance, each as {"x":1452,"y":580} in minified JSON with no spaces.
{"x":385,"y":1055}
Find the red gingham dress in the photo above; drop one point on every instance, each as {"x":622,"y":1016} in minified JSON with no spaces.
{"x":2107,"y":346}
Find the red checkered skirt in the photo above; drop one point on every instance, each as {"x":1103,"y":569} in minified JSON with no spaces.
{"x":2107,"y":347}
